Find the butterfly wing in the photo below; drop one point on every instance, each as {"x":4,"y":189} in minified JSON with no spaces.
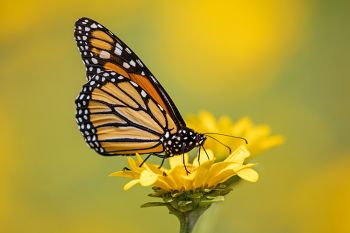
{"x":101,"y":51}
{"x":117,"y":117}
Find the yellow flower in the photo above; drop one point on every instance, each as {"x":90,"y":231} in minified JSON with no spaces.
{"x":205,"y":174}
{"x":258,"y":136}
{"x":213,"y":172}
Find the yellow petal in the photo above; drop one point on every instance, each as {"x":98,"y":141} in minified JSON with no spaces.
{"x":241,"y":127}
{"x":139,"y":159}
{"x":224,"y":122}
{"x":170,"y":181}
{"x":220,"y":178}
{"x":130,"y":184}
{"x":124,"y":174}
{"x":203,"y":157}
{"x":258,"y":133}
{"x":163,"y":184}
{"x":218,"y":167}
{"x":239,"y":155}
{"x":224,"y":171}
{"x":271,"y":142}
{"x":179,"y":176}
{"x":148,"y":178}
{"x":153,"y":168}
{"x":202,"y":174}
{"x":187,"y":181}
{"x":248,"y":174}
{"x":133,"y":165}
{"x":208,"y":120}
{"x":177,"y":160}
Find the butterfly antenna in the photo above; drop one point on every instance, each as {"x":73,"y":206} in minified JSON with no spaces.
{"x":226,"y":135}
{"x":229,"y":148}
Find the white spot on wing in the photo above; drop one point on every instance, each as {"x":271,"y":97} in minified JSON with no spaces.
{"x":167,"y":135}
{"x":119,"y":46}
{"x":105,"y":54}
{"x":118,"y":51}
{"x":132,"y":62}
{"x":139,"y":62}
{"x":143,"y":93}
{"x":154,"y":80}
{"x":94,"y":60}
{"x":134,"y":84}
{"x":126,"y":65}
{"x":128,"y":50}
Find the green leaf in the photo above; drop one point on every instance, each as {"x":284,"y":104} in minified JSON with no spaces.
{"x":168,"y":199}
{"x":155,"y":195}
{"x":153,"y":204}
{"x":176,"y":194}
{"x":214,"y":199}
{"x":197,"y":195}
{"x":184,"y":203}
{"x":232,"y":181}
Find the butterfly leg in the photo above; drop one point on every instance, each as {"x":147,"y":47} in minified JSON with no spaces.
{"x":161,"y":164}
{"x":199,"y":155}
{"x":164,"y":157}
{"x":206,"y":153}
{"x":183,"y":158}
{"x":148,"y":156}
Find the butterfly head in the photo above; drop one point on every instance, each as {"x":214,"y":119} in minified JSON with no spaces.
{"x":182,"y":141}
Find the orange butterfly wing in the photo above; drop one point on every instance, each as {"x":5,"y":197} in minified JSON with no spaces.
{"x":101,"y":51}
{"x":117,"y":117}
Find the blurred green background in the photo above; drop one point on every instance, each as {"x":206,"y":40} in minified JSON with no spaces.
{"x":284,"y":63}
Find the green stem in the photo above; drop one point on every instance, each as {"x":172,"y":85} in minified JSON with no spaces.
{"x":187,"y":219}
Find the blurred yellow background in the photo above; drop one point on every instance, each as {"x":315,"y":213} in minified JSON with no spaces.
{"x":284,"y":63}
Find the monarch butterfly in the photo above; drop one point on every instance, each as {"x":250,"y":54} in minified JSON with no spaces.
{"x":123,"y":109}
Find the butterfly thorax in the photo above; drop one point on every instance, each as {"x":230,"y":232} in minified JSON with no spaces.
{"x":181,"y":142}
